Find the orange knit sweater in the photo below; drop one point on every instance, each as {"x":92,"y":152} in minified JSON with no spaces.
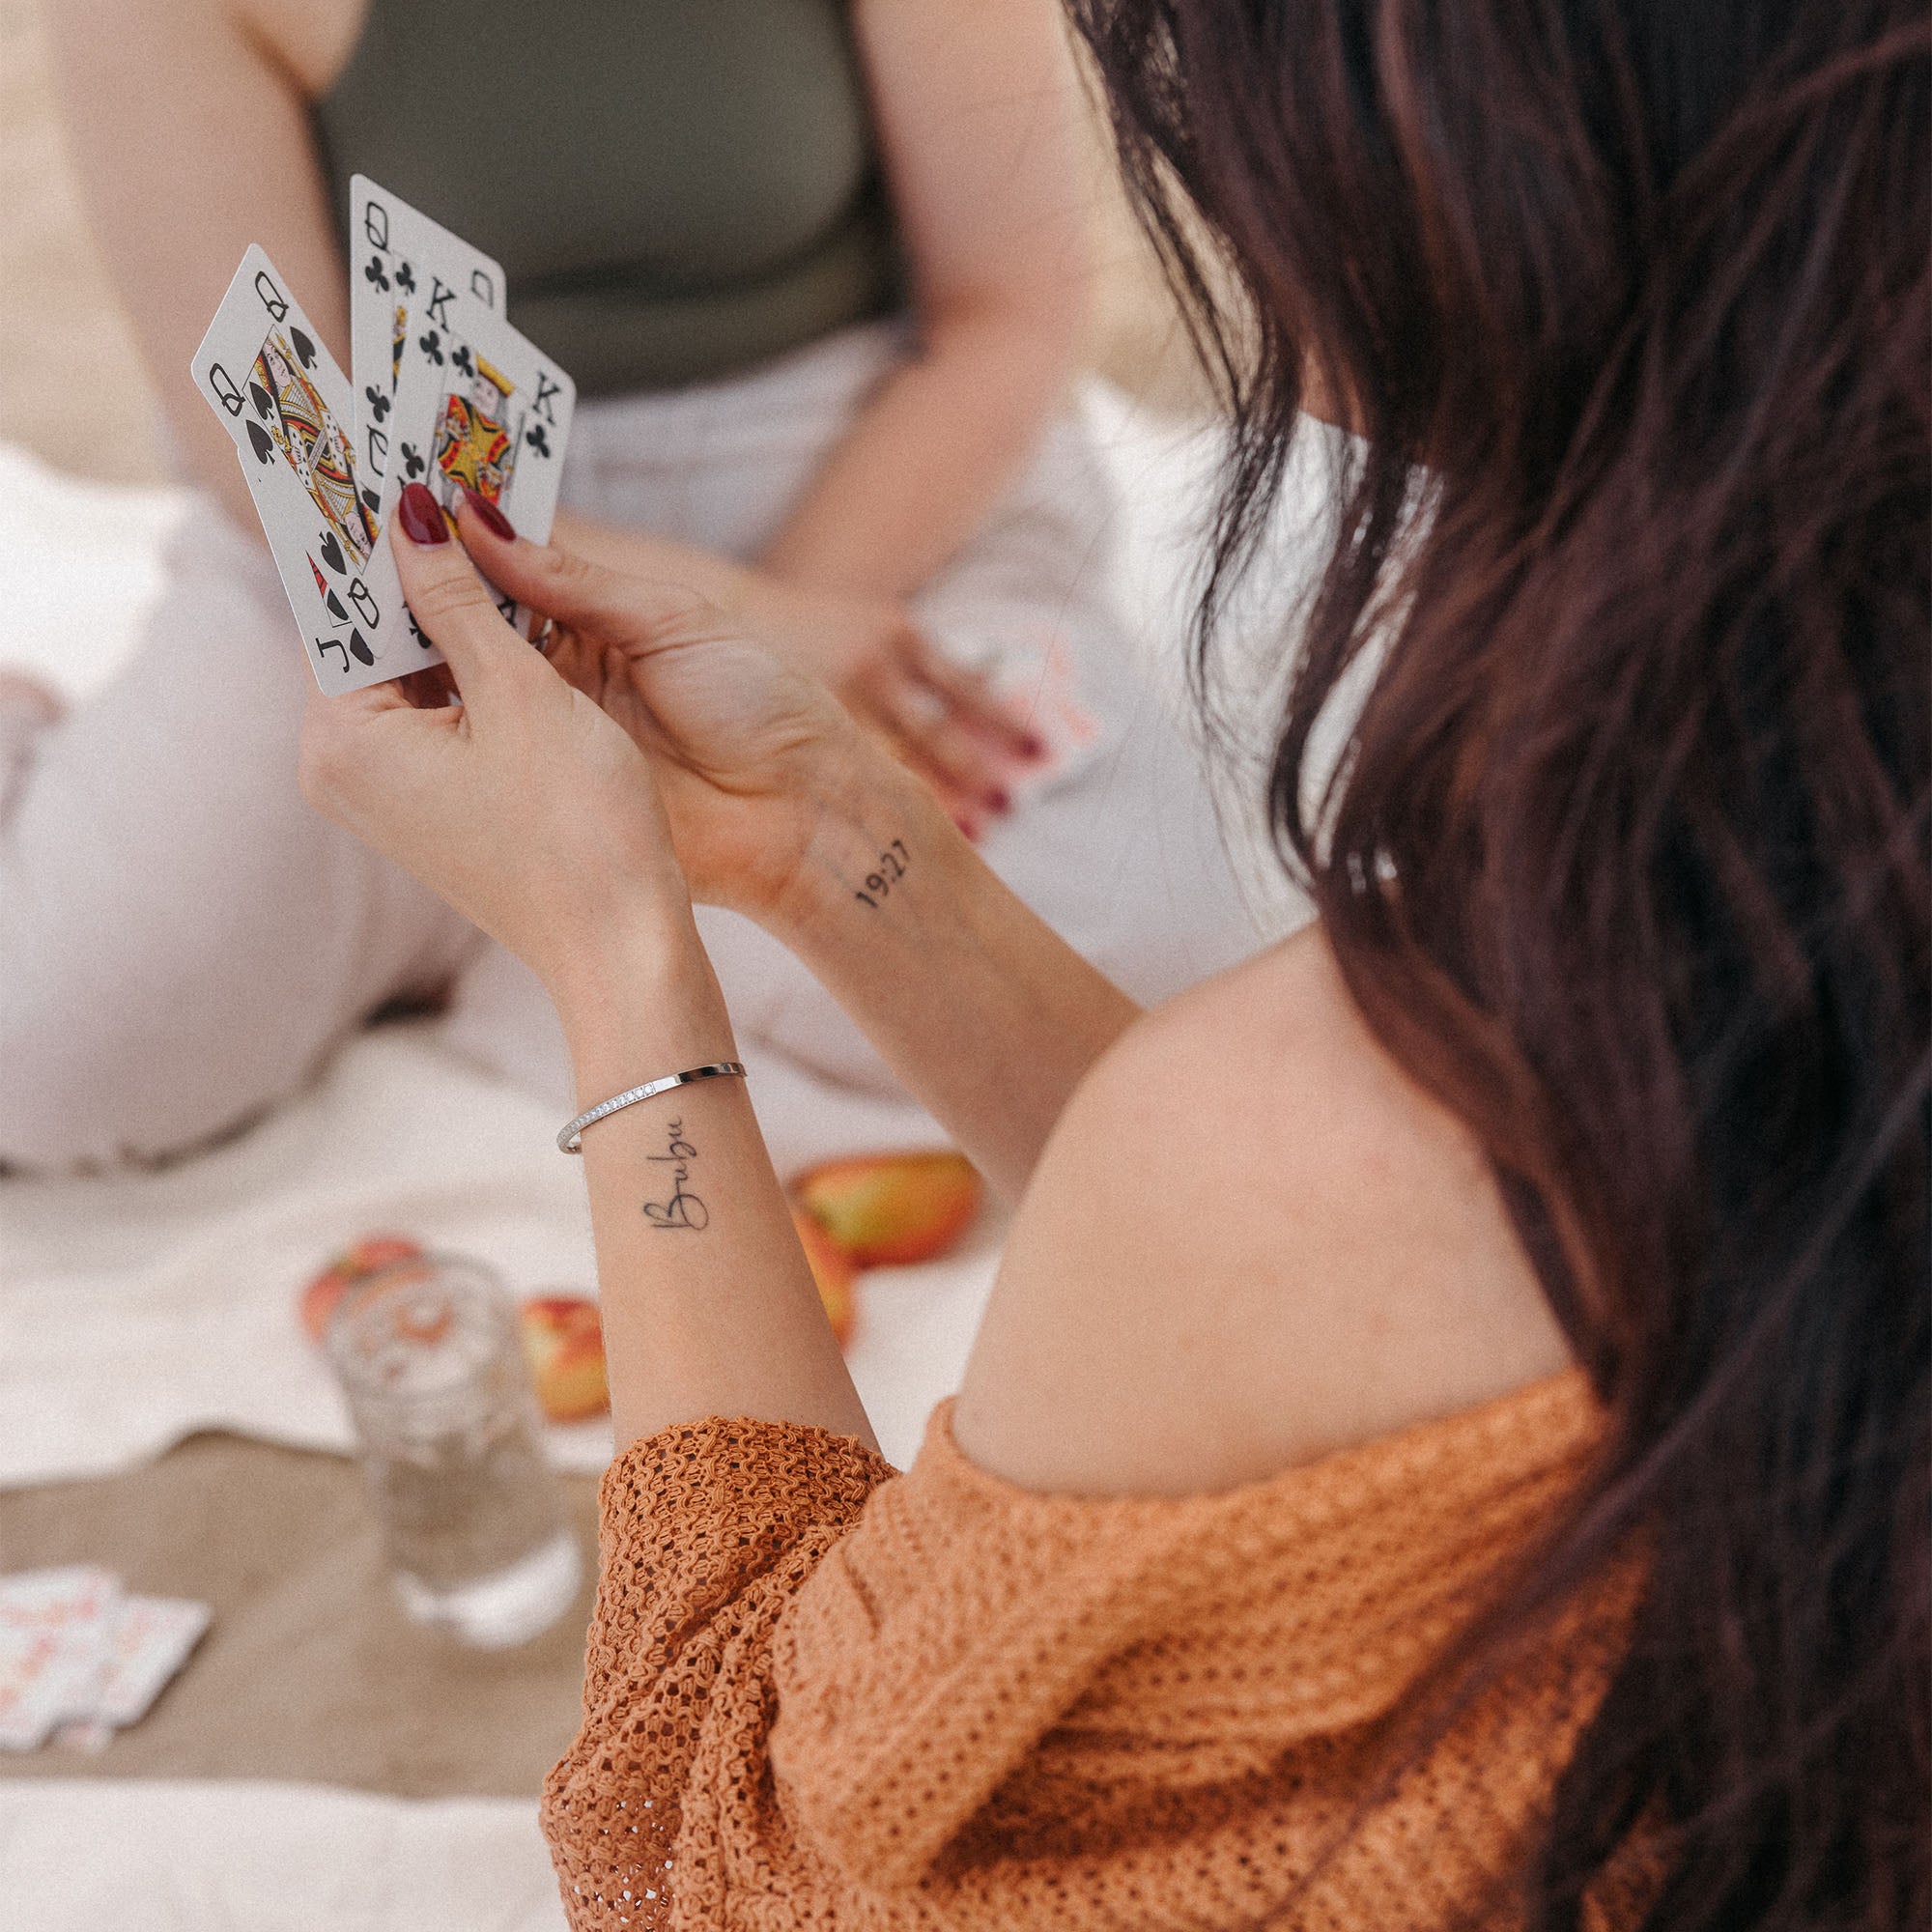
{"x":820,"y":1694}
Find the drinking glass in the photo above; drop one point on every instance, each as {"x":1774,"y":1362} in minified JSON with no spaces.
{"x":428,"y":1356}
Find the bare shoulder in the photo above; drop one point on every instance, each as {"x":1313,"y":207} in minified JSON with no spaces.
{"x":1251,"y":1240}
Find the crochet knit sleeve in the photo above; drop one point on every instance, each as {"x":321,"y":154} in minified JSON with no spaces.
{"x":708,"y":1530}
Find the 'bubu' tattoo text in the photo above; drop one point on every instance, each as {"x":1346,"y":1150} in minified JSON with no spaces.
{"x":892,"y":863}
{"x":684,"y":1209}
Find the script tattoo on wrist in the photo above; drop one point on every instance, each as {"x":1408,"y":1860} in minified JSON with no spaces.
{"x":684,"y":1209}
{"x":892,"y":863}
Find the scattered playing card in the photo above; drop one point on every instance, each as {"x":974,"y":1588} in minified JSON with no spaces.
{"x":480,"y":407}
{"x":266,"y":373}
{"x":402,"y":266}
{"x":53,"y":1643}
{"x":80,"y":1659}
{"x":150,"y":1641}
{"x":1039,"y":684}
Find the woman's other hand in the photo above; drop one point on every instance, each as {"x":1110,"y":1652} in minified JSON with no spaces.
{"x":941,"y":720}
{"x":783,"y":808}
{"x":524,"y":805}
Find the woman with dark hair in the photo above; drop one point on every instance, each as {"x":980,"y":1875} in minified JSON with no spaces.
{"x":1449,"y":1445}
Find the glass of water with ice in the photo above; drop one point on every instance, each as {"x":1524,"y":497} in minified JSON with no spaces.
{"x":428,"y":1355}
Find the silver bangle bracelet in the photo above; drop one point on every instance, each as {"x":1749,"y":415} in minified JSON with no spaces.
{"x":571,"y":1139}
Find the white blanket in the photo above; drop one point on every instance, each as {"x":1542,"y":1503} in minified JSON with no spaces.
{"x":82,"y":1854}
{"x":138,"y":1308}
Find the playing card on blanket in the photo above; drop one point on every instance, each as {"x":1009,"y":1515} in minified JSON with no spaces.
{"x":286,"y":404}
{"x":78,"y":1659}
{"x":55,"y":1630}
{"x":402,"y":265}
{"x":479,"y":407}
{"x":148,"y":1641}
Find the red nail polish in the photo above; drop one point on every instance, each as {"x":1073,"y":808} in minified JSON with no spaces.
{"x":1000,"y":799}
{"x":490,"y":516}
{"x":421,"y":515}
{"x":1033,"y":747}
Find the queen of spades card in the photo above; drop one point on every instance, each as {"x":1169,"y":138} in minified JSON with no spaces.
{"x":314,"y":444}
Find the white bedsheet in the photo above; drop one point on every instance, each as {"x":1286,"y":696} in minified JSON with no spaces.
{"x":79,"y":1855}
{"x":137,"y":1308}
{"x":80,"y":568}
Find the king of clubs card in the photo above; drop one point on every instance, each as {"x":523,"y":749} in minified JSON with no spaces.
{"x":476,"y":441}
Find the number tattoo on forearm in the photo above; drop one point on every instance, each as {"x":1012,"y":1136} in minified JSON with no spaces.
{"x":892,"y":863}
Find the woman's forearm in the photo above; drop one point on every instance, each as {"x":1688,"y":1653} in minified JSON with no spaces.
{"x":987,"y":1016}
{"x":708,"y":1305}
{"x":932,"y":452}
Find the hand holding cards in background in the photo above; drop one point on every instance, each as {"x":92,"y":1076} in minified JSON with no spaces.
{"x":943,"y":720}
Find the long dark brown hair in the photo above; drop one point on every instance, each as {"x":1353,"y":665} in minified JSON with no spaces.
{"x":1627,"y":857}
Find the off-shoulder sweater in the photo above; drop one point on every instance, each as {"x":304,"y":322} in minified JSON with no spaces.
{"x":820,"y":1694}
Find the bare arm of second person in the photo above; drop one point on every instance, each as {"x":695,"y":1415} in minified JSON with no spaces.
{"x":189,"y":124}
{"x":978,"y":118}
{"x":977,"y":111}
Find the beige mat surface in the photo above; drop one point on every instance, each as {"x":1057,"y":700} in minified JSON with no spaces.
{"x":310,"y":1671}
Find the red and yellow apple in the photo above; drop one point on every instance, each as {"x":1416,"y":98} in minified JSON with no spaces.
{"x":833,"y":1273}
{"x":563,"y":1343}
{"x":891,"y":1209}
{"x":356,"y":1262}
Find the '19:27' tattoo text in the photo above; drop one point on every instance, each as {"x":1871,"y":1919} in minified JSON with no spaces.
{"x":892,"y":863}
{"x":684,"y":1209}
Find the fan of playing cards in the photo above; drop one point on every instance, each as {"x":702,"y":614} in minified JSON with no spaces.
{"x":80,"y":1658}
{"x":446,"y":393}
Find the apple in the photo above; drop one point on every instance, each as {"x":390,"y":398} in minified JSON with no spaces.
{"x":889,"y":1210}
{"x":356,"y":1262}
{"x":563,"y":1343}
{"x":833,"y":1273}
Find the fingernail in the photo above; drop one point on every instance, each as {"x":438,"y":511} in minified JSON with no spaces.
{"x":969,"y":825}
{"x":1000,"y":800}
{"x":1032,"y":745}
{"x":489,"y":516}
{"x":421,"y":515}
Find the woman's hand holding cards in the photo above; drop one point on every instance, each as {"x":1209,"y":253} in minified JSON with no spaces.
{"x":530,"y":806}
{"x":525,"y":806}
{"x":756,"y":762}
